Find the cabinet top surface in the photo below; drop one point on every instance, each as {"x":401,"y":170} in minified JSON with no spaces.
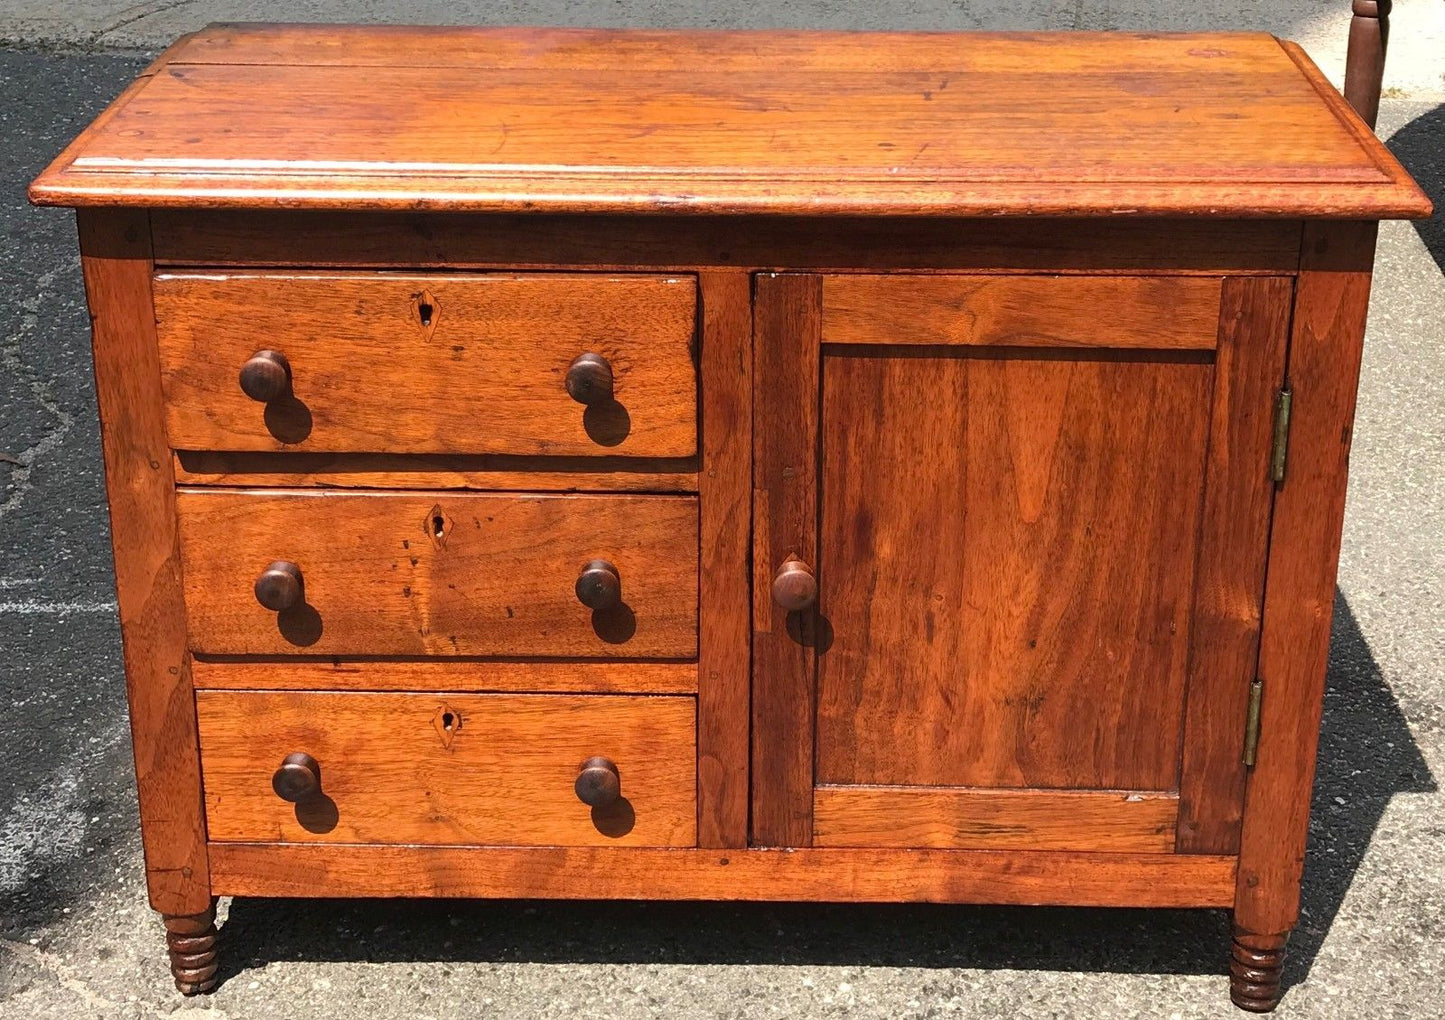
{"x":585,"y":120}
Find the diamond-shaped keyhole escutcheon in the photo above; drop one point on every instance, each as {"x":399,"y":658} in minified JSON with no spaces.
{"x":447,"y":721}
{"x":438,"y":526}
{"x":425,"y":313}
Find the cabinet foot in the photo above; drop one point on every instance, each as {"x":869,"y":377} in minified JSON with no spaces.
{"x":1256,"y":964}
{"x":191,"y":941}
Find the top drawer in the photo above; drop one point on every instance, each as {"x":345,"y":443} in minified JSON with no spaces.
{"x":429,"y":363}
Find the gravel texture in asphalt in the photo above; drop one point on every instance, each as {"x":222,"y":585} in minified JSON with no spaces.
{"x":77,"y":939}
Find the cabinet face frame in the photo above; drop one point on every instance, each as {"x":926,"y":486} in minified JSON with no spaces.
{"x":1227,"y":593}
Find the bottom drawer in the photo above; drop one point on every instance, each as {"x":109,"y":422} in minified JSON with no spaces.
{"x":498,"y":769}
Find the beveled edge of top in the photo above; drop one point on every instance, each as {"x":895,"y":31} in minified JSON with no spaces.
{"x":1395,"y":196}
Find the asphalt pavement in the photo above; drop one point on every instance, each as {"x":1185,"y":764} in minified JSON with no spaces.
{"x":77,"y":939}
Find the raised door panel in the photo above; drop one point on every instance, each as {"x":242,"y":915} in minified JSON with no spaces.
{"x":1039,"y":545}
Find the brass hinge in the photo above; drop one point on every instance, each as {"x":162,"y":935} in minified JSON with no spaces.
{"x":1251,"y":722}
{"x":1281,"y":435}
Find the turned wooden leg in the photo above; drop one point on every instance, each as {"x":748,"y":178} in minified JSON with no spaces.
{"x":191,"y":940}
{"x":1256,"y":964}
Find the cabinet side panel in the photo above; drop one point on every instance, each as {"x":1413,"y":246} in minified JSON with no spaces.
{"x":1224,"y":644}
{"x":1331,"y":299}
{"x":116,"y":259}
{"x":723,"y":627}
{"x":787,"y":324}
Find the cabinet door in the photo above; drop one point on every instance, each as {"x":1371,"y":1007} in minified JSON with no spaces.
{"x":1036,"y":511}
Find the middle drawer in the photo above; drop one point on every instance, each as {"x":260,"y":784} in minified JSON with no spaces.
{"x":439,"y":574}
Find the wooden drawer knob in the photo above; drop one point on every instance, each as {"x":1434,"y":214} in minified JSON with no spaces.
{"x":279,"y":586}
{"x":266,"y":376}
{"x":794,"y":586}
{"x":599,"y":586}
{"x":589,"y":379}
{"x":598,"y":784}
{"x":298,"y":778}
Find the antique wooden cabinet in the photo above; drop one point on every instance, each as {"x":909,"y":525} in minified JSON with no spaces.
{"x":746,"y":466}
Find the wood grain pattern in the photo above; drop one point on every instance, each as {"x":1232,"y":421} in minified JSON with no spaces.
{"x":498,"y":581}
{"x":829,"y":875}
{"x":1026,"y":311}
{"x":1007,"y":557}
{"x":787,"y":323}
{"x":651,"y":242}
{"x":724,"y":651}
{"x":483,"y":374}
{"x":436,"y":471}
{"x":475,"y":676}
{"x":1229,"y":591}
{"x":115,"y":259}
{"x":948,"y":818}
{"x":995,"y":129}
{"x":502,"y":775}
{"x":1331,"y":298}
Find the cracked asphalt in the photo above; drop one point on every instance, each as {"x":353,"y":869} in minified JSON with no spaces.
{"x":77,"y":939}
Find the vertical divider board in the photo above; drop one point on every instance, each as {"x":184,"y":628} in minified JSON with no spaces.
{"x":725,"y":484}
{"x":116,"y":261}
{"x":1332,"y":296}
{"x":787,"y":342}
{"x":1254,"y":317}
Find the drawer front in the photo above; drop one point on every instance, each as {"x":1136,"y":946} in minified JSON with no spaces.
{"x":428,"y":363}
{"x":438,"y":574}
{"x":497,"y":769}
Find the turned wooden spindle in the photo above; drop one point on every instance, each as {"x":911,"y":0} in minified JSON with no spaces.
{"x":191,"y":942}
{"x":1256,"y":966}
{"x":1365,"y":58}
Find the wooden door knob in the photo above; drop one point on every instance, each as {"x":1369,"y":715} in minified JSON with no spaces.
{"x":794,"y":586}
{"x":298,"y":778}
{"x":279,"y":586}
{"x":589,"y":379}
{"x":598,"y":784}
{"x":599,"y":586}
{"x":266,"y":376}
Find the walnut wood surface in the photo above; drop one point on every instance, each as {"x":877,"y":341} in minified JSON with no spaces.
{"x":476,"y":676}
{"x":116,"y":261}
{"x":787,"y":323}
{"x":504,"y":777}
{"x":723,"y":668}
{"x":912,"y":816}
{"x":1365,"y":57}
{"x":650,"y":242}
{"x":499,"y":580}
{"x":1073,"y":124}
{"x":819,"y":874}
{"x":1027,"y":311}
{"x":1007,"y":553}
{"x":1229,"y":589}
{"x":1331,"y":299}
{"x":484,"y":374}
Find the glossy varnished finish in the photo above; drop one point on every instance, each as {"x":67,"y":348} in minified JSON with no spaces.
{"x":488,"y":769}
{"x":811,"y":122}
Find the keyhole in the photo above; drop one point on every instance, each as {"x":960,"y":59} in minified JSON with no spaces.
{"x":438,"y":526}
{"x":424,"y":310}
{"x":448,"y":720}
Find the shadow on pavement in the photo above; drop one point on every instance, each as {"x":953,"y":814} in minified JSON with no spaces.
{"x":1366,"y":755}
{"x":1420,"y":146}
